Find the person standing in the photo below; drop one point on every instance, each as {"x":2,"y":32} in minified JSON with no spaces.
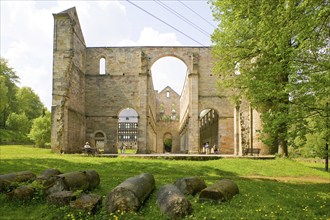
{"x":207,"y":147}
{"x":121,"y":148}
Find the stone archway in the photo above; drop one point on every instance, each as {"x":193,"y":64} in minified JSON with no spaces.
{"x":99,"y":139}
{"x":128,"y":120}
{"x":209,"y":129}
{"x":167,"y":142}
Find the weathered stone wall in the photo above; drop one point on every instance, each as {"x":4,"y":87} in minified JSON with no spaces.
{"x":168,"y":108}
{"x":165,"y":128}
{"x":68,"y":83}
{"x":107,"y":95}
{"x":85,"y":101}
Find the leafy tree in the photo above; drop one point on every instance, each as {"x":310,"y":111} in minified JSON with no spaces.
{"x":29,"y":103}
{"x":41,"y":130}
{"x":275,"y":54}
{"x":8,"y":82}
{"x":3,"y":94}
{"x":18,"y":123}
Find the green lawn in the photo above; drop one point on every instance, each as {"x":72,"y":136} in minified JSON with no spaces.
{"x":269,"y":189}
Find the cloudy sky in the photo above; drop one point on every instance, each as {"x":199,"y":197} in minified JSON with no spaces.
{"x":27,"y":34}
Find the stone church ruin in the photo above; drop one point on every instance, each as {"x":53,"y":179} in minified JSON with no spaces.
{"x":120,"y":106}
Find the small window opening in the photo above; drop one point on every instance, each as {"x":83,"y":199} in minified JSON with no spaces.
{"x":167,"y":94}
{"x":102,"y":66}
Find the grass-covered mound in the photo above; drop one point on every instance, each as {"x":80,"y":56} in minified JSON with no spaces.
{"x":269,"y":189}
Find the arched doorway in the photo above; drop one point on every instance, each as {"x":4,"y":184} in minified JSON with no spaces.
{"x":209,"y":129}
{"x":99,"y":139}
{"x":167,"y":142}
{"x":128,"y":120}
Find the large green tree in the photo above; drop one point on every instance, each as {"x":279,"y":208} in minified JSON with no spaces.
{"x":41,"y":130}
{"x":8,"y":80}
{"x":18,"y":107}
{"x":29,"y":103}
{"x":275,"y":54}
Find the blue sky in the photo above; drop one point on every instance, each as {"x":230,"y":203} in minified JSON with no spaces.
{"x":27,"y":34}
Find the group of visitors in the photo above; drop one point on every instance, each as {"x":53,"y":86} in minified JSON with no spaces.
{"x":88,"y":148}
{"x":208,"y":150}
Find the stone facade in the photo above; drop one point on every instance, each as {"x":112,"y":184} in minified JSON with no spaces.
{"x":86,"y":104}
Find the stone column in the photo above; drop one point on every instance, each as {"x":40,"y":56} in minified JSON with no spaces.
{"x":237,"y":132}
{"x":143,"y":108}
{"x":193,"y":131}
{"x":251,"y":133}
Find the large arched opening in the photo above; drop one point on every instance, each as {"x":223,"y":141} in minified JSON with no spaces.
{"x":169,"y":71}
{"x":128,"y":123}
{"x":209,"y":130}
{"x":167,"y":141}
{"x":168,"y":78}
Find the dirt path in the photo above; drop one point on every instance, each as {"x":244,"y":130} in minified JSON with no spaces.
{"x":301,"y":179}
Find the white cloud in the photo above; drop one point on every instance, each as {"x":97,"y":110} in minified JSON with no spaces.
{"x":151,"y":37}
{"x":26,"y":42}
{"x":27,"y":36}
{"x":169,"y":71}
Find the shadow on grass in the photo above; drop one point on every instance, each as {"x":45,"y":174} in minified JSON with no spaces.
{"x":258,"y":198}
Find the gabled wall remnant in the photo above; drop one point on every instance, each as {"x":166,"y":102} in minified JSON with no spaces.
{"x":87,"y":103}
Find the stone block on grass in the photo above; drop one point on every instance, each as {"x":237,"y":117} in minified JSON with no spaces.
{"x":7,"y":179}
{"x":172,"y":202}
{"x":190,"y":185}
{"x":24,"y":193}
{"x":221,"y":191}
{"x":61,"y":198}
{"x":87,"y":202}
{"x":130,"y":194}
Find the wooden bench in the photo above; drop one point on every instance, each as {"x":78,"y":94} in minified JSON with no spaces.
{"x":89,"y":151}
{"x":254,"y":151}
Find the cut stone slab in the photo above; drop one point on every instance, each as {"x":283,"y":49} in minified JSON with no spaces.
{"x":130,"y":194}
{"x":190,"y":185}
{"x":61,"y":198}
{"x":7,"y":179}
{"x":21,"y":193}
{"x":221,"y":191}
{"x":78,"y":180}
{"x":172,"y":202}
{"x":87,"y":202}
{"x":49,"y":173}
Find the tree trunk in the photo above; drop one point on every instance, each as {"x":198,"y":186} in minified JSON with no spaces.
{"x":172,"y":202}
{"x":130,"y":194}
{"x":221,"y":191}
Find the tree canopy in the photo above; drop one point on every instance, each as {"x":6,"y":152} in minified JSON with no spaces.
{"x":276,"y":55}
{"x":19,"y":107}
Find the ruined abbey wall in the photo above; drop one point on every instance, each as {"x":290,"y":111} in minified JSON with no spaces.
{"x":86,"y":104}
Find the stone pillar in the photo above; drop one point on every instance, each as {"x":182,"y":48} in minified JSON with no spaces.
{"x":251,"y":133}
{"x":237,"y":132}
{"x":193,"y":130}
{"x":143,"y":108}
{"x":62,"y":65}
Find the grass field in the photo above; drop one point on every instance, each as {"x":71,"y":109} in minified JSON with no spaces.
{"x":269,"y":189}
